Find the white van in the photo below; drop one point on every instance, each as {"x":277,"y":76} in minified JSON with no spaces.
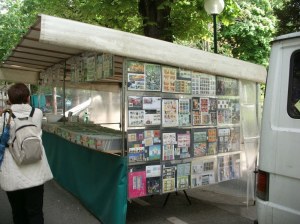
{"x":278,"y":182}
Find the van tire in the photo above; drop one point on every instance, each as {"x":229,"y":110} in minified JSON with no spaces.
{"x":255,"y":222}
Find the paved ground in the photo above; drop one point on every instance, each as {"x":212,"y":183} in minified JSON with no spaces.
{"x":207,"y":207}
{"x":212,"y":208}
{"x":60,"y":207}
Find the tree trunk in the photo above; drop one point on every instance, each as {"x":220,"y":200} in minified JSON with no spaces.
{"x":156,"y":21}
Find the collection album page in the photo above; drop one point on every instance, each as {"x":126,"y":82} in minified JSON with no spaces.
{"x":183,"y":176}
{"x":136,"y":183}
{"x":227,"y":86}
{"x":143,"y":76}
{"x":204,"y":111}
{"x":184,"y":114}
{"x":168,"y":178}
{"x":153,"y":179}
{"x":144,"y":145}
{"x":169,"y":143}
{"x":228,"y":167}
{"x":144,"y":111}
{"x":183,"y":149}
{"x":202,"y":172}
{"x":200,"y":142}
{"x":176,"y":80}
{"x":203,"y":84}
{"x":169,"y":112}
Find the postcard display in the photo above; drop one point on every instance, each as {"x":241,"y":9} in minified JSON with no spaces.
{"x":183,"y":128}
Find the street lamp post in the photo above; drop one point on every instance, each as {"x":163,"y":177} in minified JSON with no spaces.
{"x":214,"y":8}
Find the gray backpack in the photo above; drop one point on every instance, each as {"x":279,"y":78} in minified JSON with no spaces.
{"x":26,"y":147}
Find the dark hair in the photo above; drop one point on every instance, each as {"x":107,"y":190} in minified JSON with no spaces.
{"x":18,"y":93}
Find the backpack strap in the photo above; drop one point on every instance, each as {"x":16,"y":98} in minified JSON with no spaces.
{"x":30,"y":115}
{"x":32,"y":112}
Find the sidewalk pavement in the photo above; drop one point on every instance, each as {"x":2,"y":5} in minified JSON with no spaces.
{"x":206,"y":208}
{"x":61,"y":207}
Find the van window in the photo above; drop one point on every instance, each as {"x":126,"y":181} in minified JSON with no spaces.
{"x":293,"y":106}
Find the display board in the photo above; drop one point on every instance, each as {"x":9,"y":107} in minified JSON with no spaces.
{"x":183,"y":128}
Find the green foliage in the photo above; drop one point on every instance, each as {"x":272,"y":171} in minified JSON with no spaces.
{"x":288,"y":17}
{"x":13,"y":24}
{"x":191,"y":22}
{"x":34,"y":89}
{"x":115,"y":14}
{"x":191,"y":17}
{"x":248,"y":38}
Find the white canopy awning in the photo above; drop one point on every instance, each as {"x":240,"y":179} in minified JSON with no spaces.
{"x":53,"y":40}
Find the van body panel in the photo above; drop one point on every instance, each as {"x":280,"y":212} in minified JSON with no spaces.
{"x":287,"y":36}
{"x":287,"y":163}
{"x":279,"y":130}
{"x":270,"y":213}
{"x":281,"y":188}
{"x":279,"y":153}
{"x":271,"y":113}
{"x":264,"y":212}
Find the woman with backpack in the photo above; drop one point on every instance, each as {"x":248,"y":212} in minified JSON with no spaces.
{"x":24,"y":182}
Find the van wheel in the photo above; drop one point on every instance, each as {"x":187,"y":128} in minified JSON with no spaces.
{"x":255,"y":222}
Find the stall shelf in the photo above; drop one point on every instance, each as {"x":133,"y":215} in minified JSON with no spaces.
{"x":89,"y":135}
{"x":100,"y":180}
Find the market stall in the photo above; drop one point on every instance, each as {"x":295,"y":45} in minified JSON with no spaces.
{"x":186,"y":118}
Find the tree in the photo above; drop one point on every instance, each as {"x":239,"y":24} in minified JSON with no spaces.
{"x":156,"y":18}
{"x":13,"y":24}
{"x":161,"y":19}
{"x":116,"y":14}
{"x":288,"y":17}
{"x":248,"y":38}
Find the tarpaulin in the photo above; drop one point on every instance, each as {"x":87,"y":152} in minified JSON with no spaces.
{"x":98,"y":180}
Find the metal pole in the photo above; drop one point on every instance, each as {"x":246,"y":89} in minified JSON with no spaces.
{"x":123,"y":108}
{"x":215,"y":33}
{"x":64,"y":90}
